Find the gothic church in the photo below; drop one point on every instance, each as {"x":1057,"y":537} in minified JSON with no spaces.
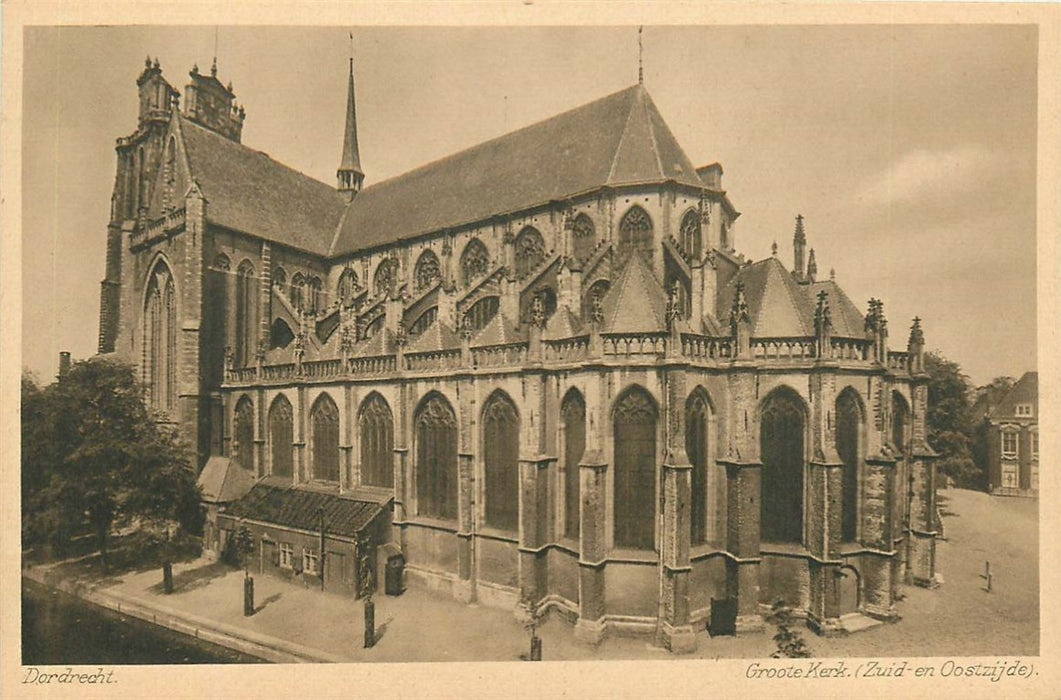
{"x":537,"y":372}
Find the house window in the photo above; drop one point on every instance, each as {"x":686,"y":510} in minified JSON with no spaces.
{"x":501,"y":458}
{"x":287,"y":555}
{"x":1009,"y":444}
{"x":309,"y":561}
{"x":1024,"y":410}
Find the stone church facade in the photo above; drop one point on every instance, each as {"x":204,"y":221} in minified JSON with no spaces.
{"x":539,"y":369}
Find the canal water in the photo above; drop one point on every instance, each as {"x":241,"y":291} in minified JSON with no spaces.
{"x":58,"y":628}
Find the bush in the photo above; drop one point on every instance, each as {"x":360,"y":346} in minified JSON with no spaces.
{"x":790,"y":643}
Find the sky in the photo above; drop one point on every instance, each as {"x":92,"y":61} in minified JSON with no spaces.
{"x":909,"y":150}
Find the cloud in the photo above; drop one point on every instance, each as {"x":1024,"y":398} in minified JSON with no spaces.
{"x":936,"y":173}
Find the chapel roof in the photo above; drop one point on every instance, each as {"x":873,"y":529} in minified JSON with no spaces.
{"x":781,"y":307}
{"x":301,"y":508}
{"x":618,"y":139}
{"x":223,"y":480}
{"x":635,"y":303}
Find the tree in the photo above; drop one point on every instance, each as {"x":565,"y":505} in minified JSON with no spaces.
{"x":949,"y":420}
{"x":94,"y":453}
{"x":790,"y":642}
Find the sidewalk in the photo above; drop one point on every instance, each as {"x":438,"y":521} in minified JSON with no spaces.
{"x":296,"y":624}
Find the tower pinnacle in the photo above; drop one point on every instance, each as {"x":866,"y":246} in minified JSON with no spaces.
{"x":799,"y":244}
{"x":350,"y":176}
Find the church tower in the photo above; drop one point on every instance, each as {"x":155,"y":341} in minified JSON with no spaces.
{"x":350,"y":176}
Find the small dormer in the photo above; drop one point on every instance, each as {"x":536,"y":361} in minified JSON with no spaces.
{"x":213,"y":105}
{"x":156,"y":95}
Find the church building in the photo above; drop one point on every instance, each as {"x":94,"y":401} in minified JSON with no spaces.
{"x":538,"y":371}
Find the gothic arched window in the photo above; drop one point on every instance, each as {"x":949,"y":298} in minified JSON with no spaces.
{"x":246,"y":313}
{"x":900,"y":439}
{"x":427,"y":270}
{"x":281,"y":437}
{"x":280,"y":280}
{"x":481,"y":312}
{"x":376,"y":428}
{"x":530,"y":251}
{"x":501,"y":462}
{"x":584,"y":235}
{"x":386,"y":276}
{"x":698,"y":448}
{"x":634,"y":431}
{"x":690,"y":235}
{"x":635,"y":233}
{"x":474,"y":261}
{"x":298,"y":291}
{"x":170,"y":174}
{"x":324,"y":447}
{"x":280,"y":334}
{"x":598,"y":290}
{"x":848,"y":446}
{"x":314,"y":302}
{"x":436,"y":458}
{"x":573,"y":418}
{"x":348,"y":286}
{"x":244,"y":433}
{"x":423,"y":321}
{"x":781,"y":444}
{"x":160,"y":338}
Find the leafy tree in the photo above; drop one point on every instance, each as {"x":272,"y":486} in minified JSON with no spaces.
{"x":94,"y":453}
{"x":949,"y":420}
{"x":987,"y":397}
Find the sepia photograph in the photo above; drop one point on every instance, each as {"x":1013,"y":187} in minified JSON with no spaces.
{"x":501,"y":342}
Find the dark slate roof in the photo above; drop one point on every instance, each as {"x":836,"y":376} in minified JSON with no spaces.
{"x":635,"y":303}
{"x":562,"y":324}
{"x":498,"y":331}
{"x":848,"y":321}
{"x":778,"y":307}
{"x":248,"y":191}
{"x":222,"y":480}
{"x":618,"y":139}
{"x":1026,"y":390}
{"x":296,"y":507}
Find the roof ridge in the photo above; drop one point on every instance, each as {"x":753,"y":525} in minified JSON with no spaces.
{"x":652,"y":132}
{"x":619,"y":145}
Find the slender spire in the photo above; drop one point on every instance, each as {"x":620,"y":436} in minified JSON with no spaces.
{"x":799,"y":244}
{"x":640,"y":58}
{"x":812,"y":267}
{"x":350,"y":175}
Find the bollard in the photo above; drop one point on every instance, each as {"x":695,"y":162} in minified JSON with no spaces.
{"x":987,"y":575}
{"x":167,"y":577}
{"x":248,"y":596}
{"x":536,"y":648}
{"x":370,"y":623}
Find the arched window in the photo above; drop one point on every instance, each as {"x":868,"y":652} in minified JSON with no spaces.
{"x":298,"y":291}
{"x":314,"y":302}
{"x":481,"y":312}
{"x":348,"y":286}
{"x":170,"y":175}
{"x":474,"y":261}
{"x":548,"y":297}
{"x":386,"y":276}
{"x":573,"y":417}
{"x":690,"y":235}
{"x":501,"y":462}
{"x":436,"y":458}
{"x":423,"y":321}
{"x":160,"y":338}
{"x":680,"y":285}
{"x":280,"y":280}
{"x":427,"y":270}
{"x":584,"y":235}
{"x":635,"y":470}
{"x":635,"y":233}
{"x":900,"y":439}
{"x":598,"y":290}
{"x":280,"y":334}
{"x":244,"y":433}
{"x":698,"y":448}
{"x":781,"y":444}
{"x":848,"y":446}
{"x":376,"y":428}
{"x":246,"y":316}
{"x":281,"y":437}
{"x":530,"y":251}
{"x":325,"y":446}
